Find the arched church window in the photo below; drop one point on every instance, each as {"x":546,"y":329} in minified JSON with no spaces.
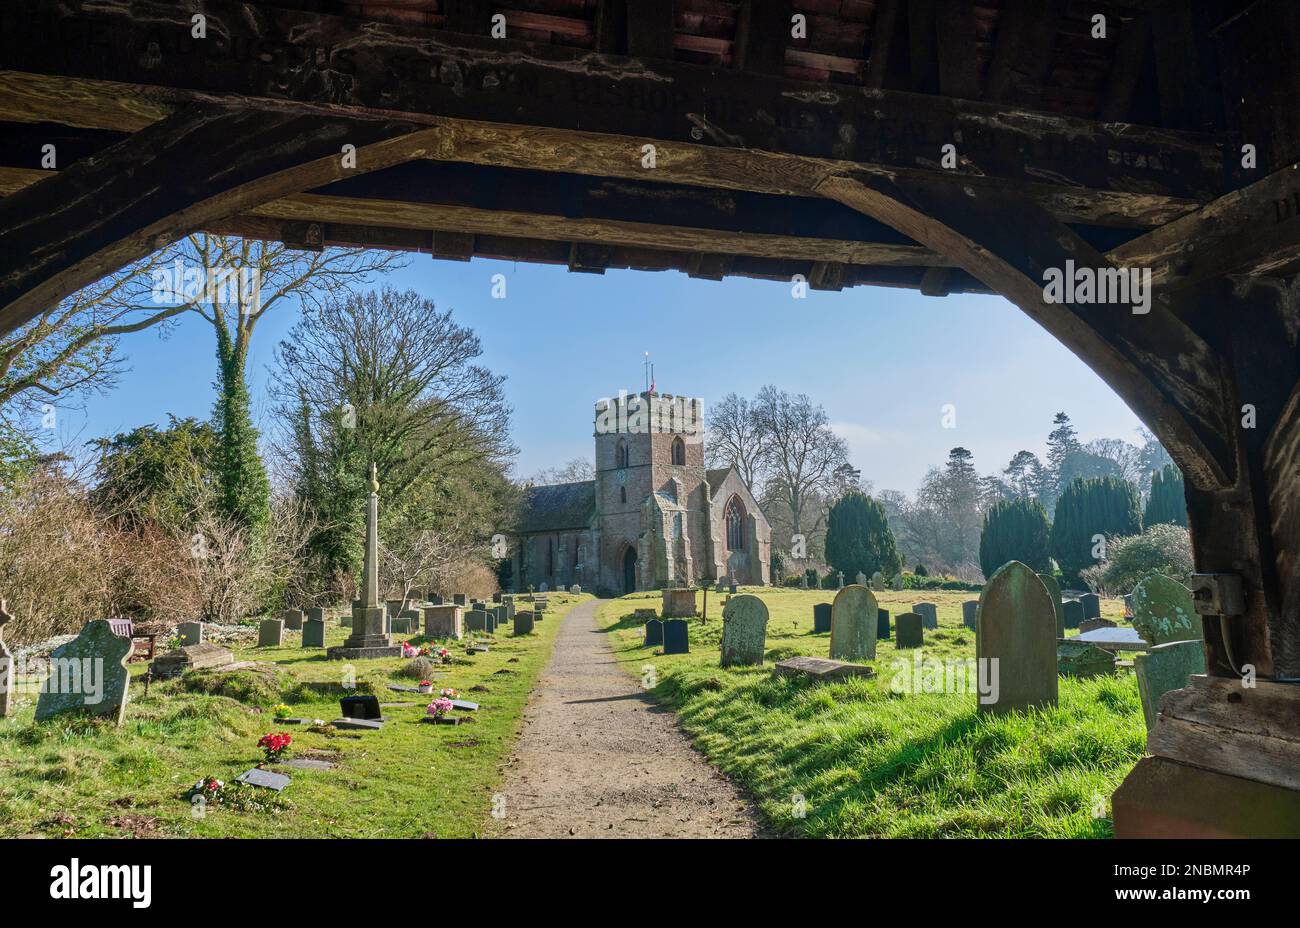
{"x":735,"y":519}
{"x":620,"y":454}
{"x":679,"y":451}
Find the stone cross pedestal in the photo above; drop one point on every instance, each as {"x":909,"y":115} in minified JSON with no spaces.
{"x":369,"y":636}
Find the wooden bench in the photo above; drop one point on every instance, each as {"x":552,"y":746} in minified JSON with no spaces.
{"x":142,"y":646}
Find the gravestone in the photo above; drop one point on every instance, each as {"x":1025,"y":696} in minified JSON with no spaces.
{"x":1017,"y":628}
{"x":969,"y":609}
{"x":1088,"y":625}
{"x":190,"y":657}
{"x":676,"y":637}
{"x":1054,"y":591}
{"x":362,"y":706}
{"x":402,"y":625}
{"x":88,"y":674}
{"x":1091,"y":605}
{"x":839,"y":579}
{"x":896,"y":583}
{"x":523,"y":623}
{"x":1163,"y":611}
{"x":292,"y":619}
{"x":861,"y":578}
{"x":458,"y":599}
{"x":270,"y":634}
{"x":882,"y":624}
{"x":678,"y":603}
{"x":543,"y":588}
{"x":500,"y":613}
{"x":496,"y":597}
{"x":476,"y":620}
{"x":928,"y":612}
{"x":654,"y":634}
{"x":316,"y":614}
{"x":1167,"y":666}
{"x":1081,"y":659}
{"x":190,"y":633}
{"x":854,"y":620}
{"x":821,"y":618}
{"x":267,"y":779}
{"x":393,"y":607}
{"x":575,"y":590}
{"x":313,"y":630}
{"x":6,"y":666}
{"x":434,"y":599}
{"x":744,"y":630}
{"x":442,"y":622}
{"x":1072,"y":613}
{"x":820,"y":669}
{"x":909,"y":632}
{"x":347,"y":724}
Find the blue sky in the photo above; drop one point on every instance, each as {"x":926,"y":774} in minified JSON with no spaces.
{"x":882,"y":361}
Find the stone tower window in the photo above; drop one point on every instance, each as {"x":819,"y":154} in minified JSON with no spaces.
{"x":735,"y":519}
{"x":679,"y":451}
{"x":622,"y":494}
{"x":620,"y":454}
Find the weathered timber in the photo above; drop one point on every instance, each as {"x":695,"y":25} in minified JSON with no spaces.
{"x":883,"y":30}
{"x":202,"y":163}
{"x":1134,"y":39}
{"x":762,"y":29}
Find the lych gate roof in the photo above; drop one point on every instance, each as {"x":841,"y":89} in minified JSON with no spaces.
{"x":558,"y":507}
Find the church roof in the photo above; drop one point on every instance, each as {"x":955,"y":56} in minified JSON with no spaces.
{"x":716,"y":476}
{"x":558,"y":507}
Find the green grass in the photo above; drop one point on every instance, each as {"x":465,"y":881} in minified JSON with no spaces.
{"x":74,"y":776}
{"x":872,"y":762}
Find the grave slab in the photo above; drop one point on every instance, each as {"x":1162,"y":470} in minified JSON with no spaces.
{"x":821,"y":669}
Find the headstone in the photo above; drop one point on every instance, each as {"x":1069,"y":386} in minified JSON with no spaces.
{"x":896,"y":583}
{"x":732,"y":588}
{"x":543,"y":588}
{"x":821,"y":618}
{"x":1163,"y":611}
{"x":861,"y":578}
{"x":678,"y":603}
{"x":1072,"y":613}
{"x":6,"y":666}
{"x":190,"y":657}
{"x":676,"y":637}
{"x":476,"y":620}
{"x":500,"y":613}
{"x":268,"y":779}
{"x":654,"y":634}
{"x":1167,"y":666}
{"x":361,"y":706}
{"x":1054,"y":591}
{"x":882,"y":624}
{"x":434,"y":599}
{"x":496,"y":597}
{"x":402,"y":625}
{"x":523,"y":623}
{"x":370,"y":637}
{"x":1088,"y":625}
{"x":839,"y":579}
{"x":1080,"y":659}
{"x":1091,"y":605}
{"x":358,"y":724}
{"x":270,"y":634}
{"x":909,"y":632}
{"x":575,"y":590}
{"x":855,"y":618}
{"x":88,"y":674}
{"x":190,"y":633}
{"x":744,"y":631}
{"x":394,"y":607}
{"x":928,"y":612}
{"x":458,"y":599}
{"x":442,"y":622}
{"x":968,"y":611}
{"x":1128,"y":605}
{"x":316,"y":614}
{"x":292,"y":619}
{"x":820,"y":669}
{"x":313,"y":630}
{"x":1016,"y":628}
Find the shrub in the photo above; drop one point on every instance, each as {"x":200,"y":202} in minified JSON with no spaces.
{"x":1167,"y":502}
{"x":1164,"y":548}
{"x":814,"y":578}
{"x":1101,"y":506}
{"x":914,"y":582}
{"x":858,"y":538}
{"x":418,"y":668}
{"x":1015,"y":530}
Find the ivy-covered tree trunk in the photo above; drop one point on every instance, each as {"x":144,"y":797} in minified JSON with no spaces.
{"x":243,"y":489}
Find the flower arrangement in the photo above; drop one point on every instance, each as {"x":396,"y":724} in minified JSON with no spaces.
{"x":240,"y":797}
{"x":443,"y":653}
{"x":274,"y":744}
{"x":439,"y":707}
{"x":426,"y":686}
{"x":408,"y":650}
{"x":281,"y":711}
{"x":449,"y":693}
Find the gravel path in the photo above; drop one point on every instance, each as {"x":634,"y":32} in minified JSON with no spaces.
{"x":597,"y":757}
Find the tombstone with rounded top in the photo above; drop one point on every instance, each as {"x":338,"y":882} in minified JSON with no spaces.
{"x":654,"y":633}
{"x":821,"y":618}
{"x":744,"y":630}
{"x":1054,"y":591}
{"x":523,"y":623}
{"x":929,"y":612}
{"x":1163,"y":611}
{"x":1016,"y":627}
{"x":855,"y":617}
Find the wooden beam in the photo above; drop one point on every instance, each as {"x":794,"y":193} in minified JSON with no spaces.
{"x":922,"y":50}
{"x":958,"y":69}
{"x":650,"y":28}
{"x":883,"y":29}
{"x":611,"y":26}
{"x":762,"y":33}
{"x":1178,"y":72}
{"x":1022,"y":51}
{"x":166,"y":181}
{"x":1130,"y":54}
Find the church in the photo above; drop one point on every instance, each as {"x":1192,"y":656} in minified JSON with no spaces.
{"x":653,"y":517}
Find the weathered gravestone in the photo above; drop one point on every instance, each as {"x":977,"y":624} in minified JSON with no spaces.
{"x":442,"y":622}
{"x":1165,"y":667}
{"x":654,"y":633}
{"x":496,"y":597}
{"x":821,"y":618}
{"x":1163,"y":611}
{"x":854,"y":620}
{"x":929,"y":614}
{"x":1080,"y":659}
{"x":292,"y":619}
{"x":270,"y":634}
{"x":402,"y":625}
{"x":190,"y":633}
{"x":676,"y":637}
{"x":476,"y":620}
{"x":190,"y":657}
{"x":394,"y":607}
{"x":1072,"y":613}
{"x":1017,"y":629}
{"x":1091,"y":606}
{"x":434,"y":599}
{"x":1054,"y":591}
{"x":861,"y":579}
{"x":969,"y":609}
{"x":744,"y":630}
{"x":313,"y":630}
{"x":6,"y":666}
{"x":523,"y":623}
{"x":575,"y":590}
{"x":678,"y":603}
{"x":882,"y":624}
{"x":896,"y":582}
{"x":909,"y":632}
{"x":88,"y":674}
{"x":458,"y":599}
{"x":820,"y":669}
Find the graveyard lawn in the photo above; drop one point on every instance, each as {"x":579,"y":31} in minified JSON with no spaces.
{"x":76,"y":777}
{"x":871,"y":762}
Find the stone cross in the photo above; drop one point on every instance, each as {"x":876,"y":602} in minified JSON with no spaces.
{"x":370,"y":568}
{"x":369,"y":636}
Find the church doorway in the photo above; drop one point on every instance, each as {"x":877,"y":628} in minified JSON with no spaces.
{"x":629,"y":570}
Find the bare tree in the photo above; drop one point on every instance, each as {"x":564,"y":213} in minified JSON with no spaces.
{"x":803,"y":458}
{"x":735,"y":438}
{"x":572,"y":471}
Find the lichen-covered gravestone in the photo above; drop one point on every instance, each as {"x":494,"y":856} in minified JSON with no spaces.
{"x":1163,"y":611}
{"x":270,"y":634}
{"x":968,"y":610}
{"x":854,"y":619}
{"x":821,"y":618}
{"x":744,"y":630}
{"x":88,"y":674}
{"x":909,"y":632}
{"x":443,"y":621}
{"x":1017,"y":628}
{"x":1054,"y":591}
{"x":1080,"y":659}
{"x":1165,"y":667}
{"x":928,"y":612}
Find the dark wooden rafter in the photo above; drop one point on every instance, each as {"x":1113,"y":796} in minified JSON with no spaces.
{"x":611,"y":26}
{"x":1130,"y":53}
{"x":958,"y":68}
{"x":201,"y":164}
{"x":884,"y":28}
{"x":1022,"y":51}
{"x":762,"y":33}
{"x":650,"y":28}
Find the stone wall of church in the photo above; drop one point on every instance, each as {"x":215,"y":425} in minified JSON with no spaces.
{"x":557,"y":559}
{"x":753,"y":564}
